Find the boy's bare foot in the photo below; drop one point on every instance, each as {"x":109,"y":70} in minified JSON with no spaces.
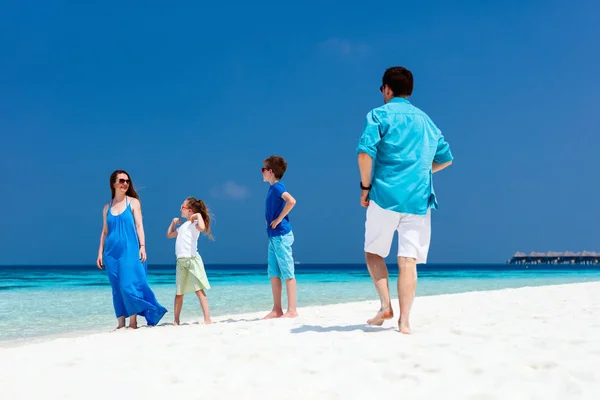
{"x":274,"y":314}
{"x":176,"y":322}
{"x":290,"y":314}
{"x":381,"y":316}
{"x":404,"y":327}
{"x":207,"y":321}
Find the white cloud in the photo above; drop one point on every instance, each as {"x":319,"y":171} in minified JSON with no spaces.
{"x":343,"y":46}
{"x":230,"y":190}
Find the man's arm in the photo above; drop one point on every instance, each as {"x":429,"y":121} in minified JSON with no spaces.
{"x":371,"y":136}
{"x":367,"y":150}
{"x":443,"y":156}
{"x":435,"y":167}
{"x":365,"y":166}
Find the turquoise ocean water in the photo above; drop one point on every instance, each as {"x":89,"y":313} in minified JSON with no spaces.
{"x":41,"y":301}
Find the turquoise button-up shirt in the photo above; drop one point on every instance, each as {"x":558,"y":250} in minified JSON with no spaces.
{"x":403,"y":142}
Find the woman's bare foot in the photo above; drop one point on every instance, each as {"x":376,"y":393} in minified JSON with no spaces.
{"x":381,"y":316}
{"x":118,"y":327}
{"x":404,"y":327}
{"x":274,"y":314}
{"x":290,"y":314}
{"x":133,"y":322}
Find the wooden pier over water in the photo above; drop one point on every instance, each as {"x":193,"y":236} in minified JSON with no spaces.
{"x":554,"y":257}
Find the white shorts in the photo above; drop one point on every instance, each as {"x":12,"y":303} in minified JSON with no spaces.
{"x":414,"y":233}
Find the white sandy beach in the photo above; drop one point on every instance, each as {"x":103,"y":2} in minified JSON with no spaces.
{"x":530,"y":343}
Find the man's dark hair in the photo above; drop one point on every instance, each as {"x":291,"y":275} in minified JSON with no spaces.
{"x":399,"y":79}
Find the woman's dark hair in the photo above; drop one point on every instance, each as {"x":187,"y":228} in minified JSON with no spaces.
{"x":113,"y":179}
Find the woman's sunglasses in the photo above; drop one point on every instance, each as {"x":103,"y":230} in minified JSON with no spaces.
{"x":124,"y":181}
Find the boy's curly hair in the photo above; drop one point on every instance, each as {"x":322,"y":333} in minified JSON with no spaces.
{"x":276,"y":164}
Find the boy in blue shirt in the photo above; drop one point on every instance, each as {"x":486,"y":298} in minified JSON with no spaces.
{"x":280,"y":261}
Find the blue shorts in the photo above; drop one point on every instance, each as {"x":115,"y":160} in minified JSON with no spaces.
{"x":281,"y":262}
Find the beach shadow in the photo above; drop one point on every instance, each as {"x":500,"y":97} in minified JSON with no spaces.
{"x":338,"y":328}
{"x":231,"y":320}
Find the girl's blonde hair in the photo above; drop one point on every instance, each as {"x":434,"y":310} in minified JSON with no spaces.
{"x":198,"y":206}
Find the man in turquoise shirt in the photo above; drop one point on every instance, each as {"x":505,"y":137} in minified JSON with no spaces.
{"x":398,"y":152}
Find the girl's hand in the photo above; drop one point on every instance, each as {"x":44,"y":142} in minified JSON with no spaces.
{"x":194,"y":217}
{"x":99,"y":261}
{"x":143,"y":253}
{"x":176,"y":221}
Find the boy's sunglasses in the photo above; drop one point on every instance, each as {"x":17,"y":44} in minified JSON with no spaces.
{"x":122,"y":181}
{"x":263,"y":169}
{"x":381,"y":88}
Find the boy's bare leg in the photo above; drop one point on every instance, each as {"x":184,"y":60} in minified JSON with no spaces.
{"x":177,"y":308}
{"x":407,"y":285}
{"x":379,"y":274}
{"x":133,"y":322}
{"x":204,"y":304}
{"x":276,"y":288}
{"x":290,"y":287}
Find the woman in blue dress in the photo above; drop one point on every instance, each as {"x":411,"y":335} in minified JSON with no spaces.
{"x":123,"y":253}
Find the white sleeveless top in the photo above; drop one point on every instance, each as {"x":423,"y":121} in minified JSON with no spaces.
{"x":186,"y":244}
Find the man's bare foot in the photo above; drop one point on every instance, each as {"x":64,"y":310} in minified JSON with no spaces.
{"x":381,"y":316}
{"x":274,"y":314}
{"x":290,"y":314}
{"x":207,"y":322}
{"x":404,"y":327}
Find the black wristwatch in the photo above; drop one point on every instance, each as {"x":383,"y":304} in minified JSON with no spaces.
{"x":365,"y":188}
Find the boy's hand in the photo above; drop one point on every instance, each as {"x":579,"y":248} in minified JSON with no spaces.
{"x":275,"y":222}
{"x":176,"y":221}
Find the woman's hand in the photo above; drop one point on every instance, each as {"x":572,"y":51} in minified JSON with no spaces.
{"x":143,"y":253}
{"x":99,"y":261}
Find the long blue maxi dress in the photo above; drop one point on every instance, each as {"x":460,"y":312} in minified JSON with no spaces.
{"x":126,"y":272}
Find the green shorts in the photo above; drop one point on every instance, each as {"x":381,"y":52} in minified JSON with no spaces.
{"x":190,"y":276}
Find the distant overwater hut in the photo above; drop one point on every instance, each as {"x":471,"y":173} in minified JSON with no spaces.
{"x":554,"y":257}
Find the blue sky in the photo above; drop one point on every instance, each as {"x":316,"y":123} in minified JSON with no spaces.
{"x":191,"y":98}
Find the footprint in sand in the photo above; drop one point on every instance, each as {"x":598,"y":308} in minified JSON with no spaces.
{"x":543,"y":365}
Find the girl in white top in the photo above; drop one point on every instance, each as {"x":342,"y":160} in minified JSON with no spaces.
{"x":190,"y":275}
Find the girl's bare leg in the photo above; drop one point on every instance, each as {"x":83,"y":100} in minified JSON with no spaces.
{"x":177,"y":308}
{"x":204,"y":304}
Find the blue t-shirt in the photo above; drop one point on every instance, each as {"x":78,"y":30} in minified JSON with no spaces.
{"x":403,"y":142}
{"x":274,"y":207}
